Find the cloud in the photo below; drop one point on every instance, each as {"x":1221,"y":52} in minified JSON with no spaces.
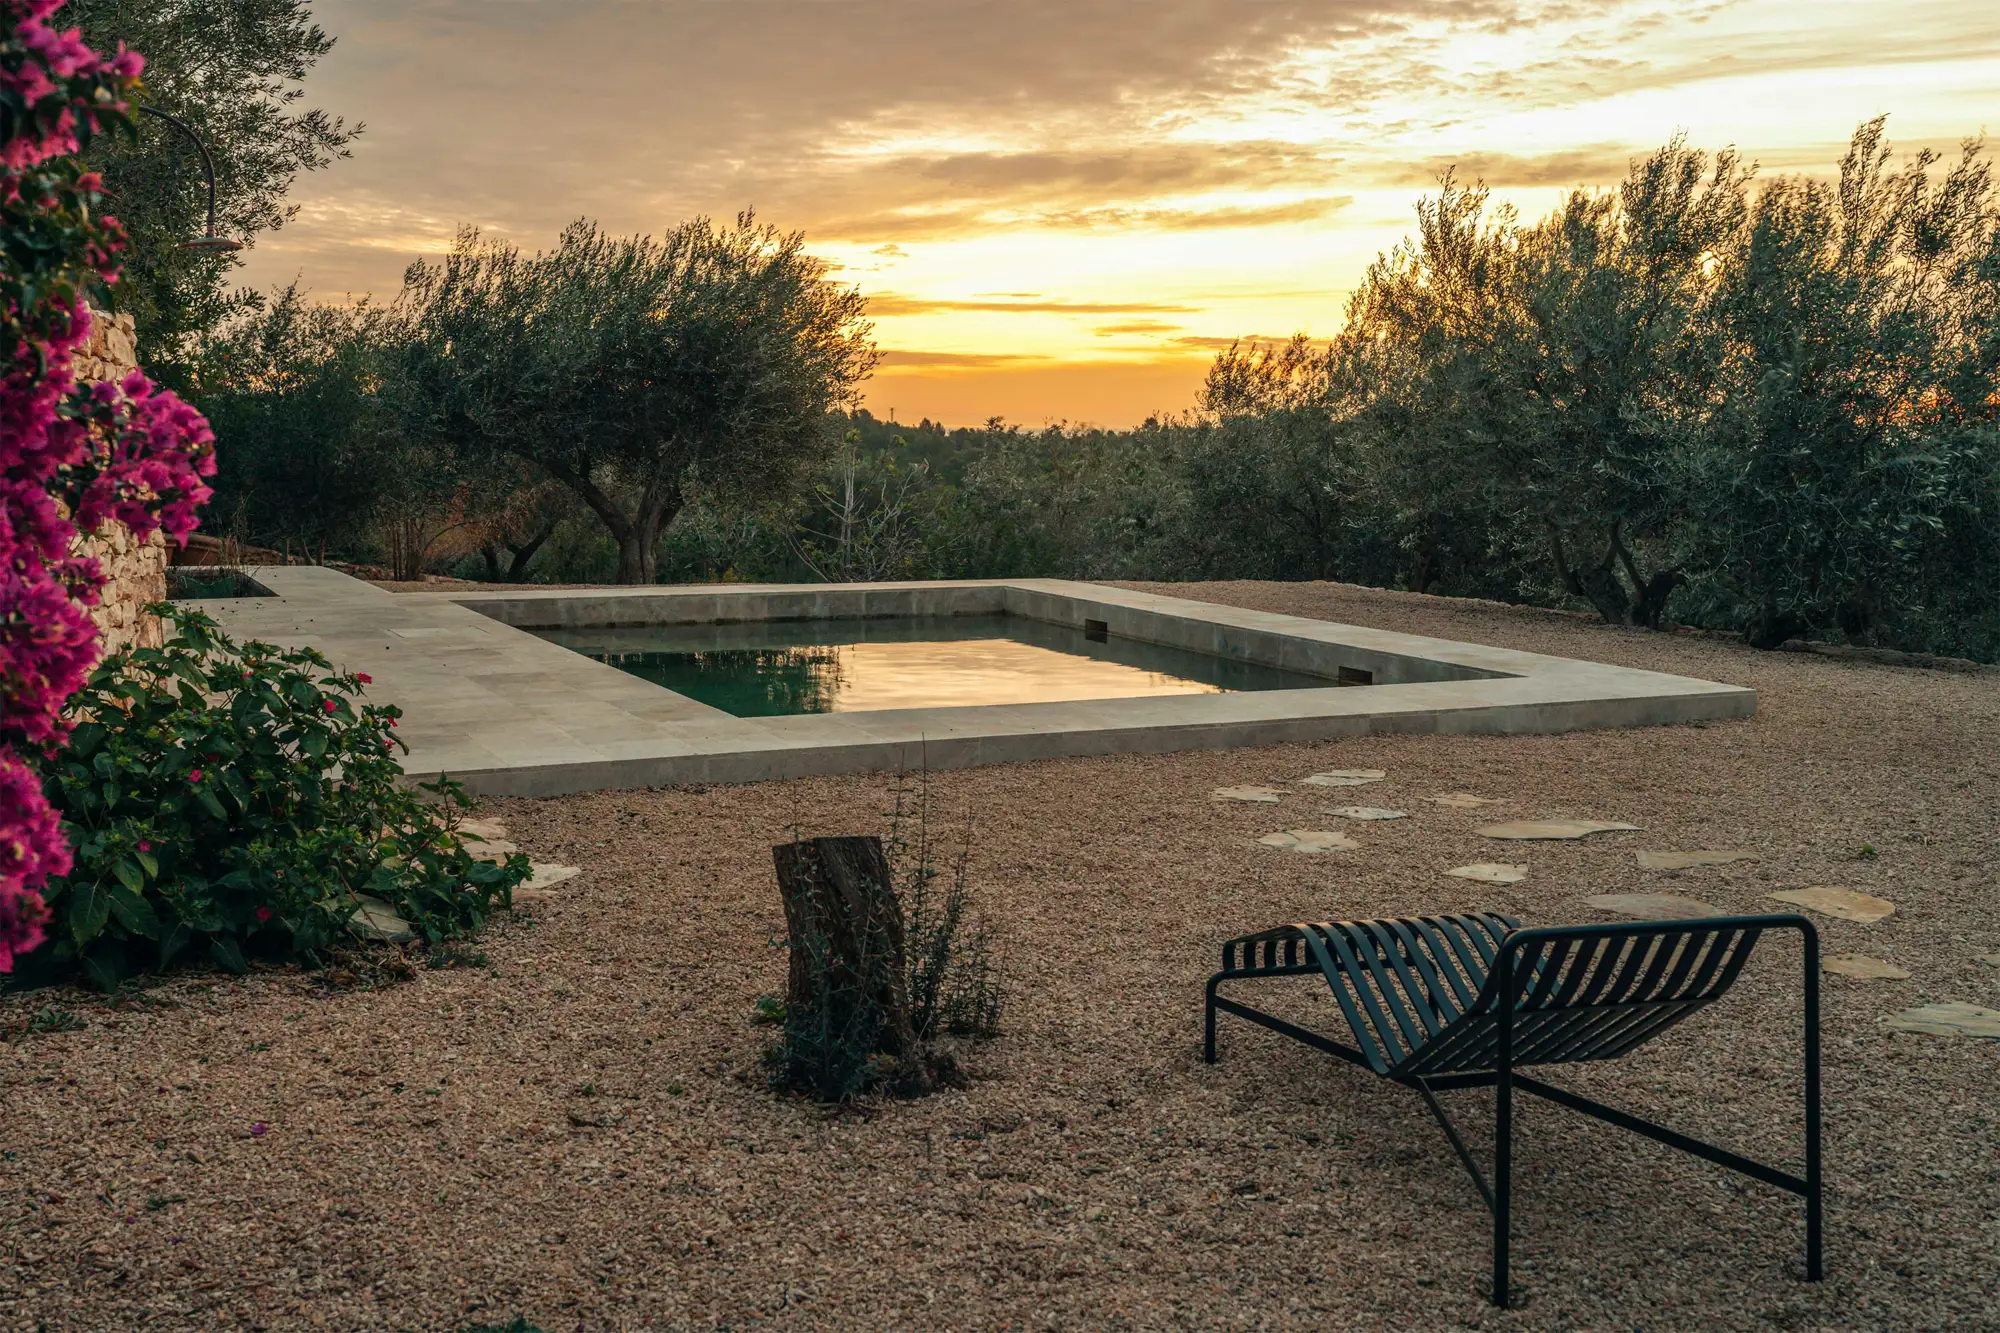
{"x":1197,"y":343}
{"x":895,"y":303}
{"x":955,"y":360}
{"x":1136,"y":326}
{"x":1588,"y":164}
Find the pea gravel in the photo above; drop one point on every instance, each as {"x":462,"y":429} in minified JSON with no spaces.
{"x":578,"y":1132}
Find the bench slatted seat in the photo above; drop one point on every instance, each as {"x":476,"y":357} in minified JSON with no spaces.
{"x":1443,"y":1002}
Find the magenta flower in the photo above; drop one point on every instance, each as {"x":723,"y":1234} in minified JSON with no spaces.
{"x":259,"y":1130}
{"x":263,"y":914}
{"x":194,"y":775}
{"x":129,"y":451}
{"x":145,"y":846}
{"x":364,"y":678}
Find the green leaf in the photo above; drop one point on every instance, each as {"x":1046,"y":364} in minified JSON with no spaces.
{"x":86,"y":738}
{"x":228,"y":953}
{"x":89,"y":905}
{"x":174,"y":939}
{"x":135,"y":913}
{"x":129,"y":874}
{"x":234,"y":781}
{"x":149,"y":861}
{"x":104,"y":967}
{"x":209,"y":803}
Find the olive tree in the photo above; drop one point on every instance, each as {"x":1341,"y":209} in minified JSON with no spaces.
{"x":1849,"y":478}
{"x":632,"y":370}
{"x":1547,"y":376}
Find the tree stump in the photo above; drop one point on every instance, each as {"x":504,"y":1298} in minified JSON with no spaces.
{"x":847,"y":1000}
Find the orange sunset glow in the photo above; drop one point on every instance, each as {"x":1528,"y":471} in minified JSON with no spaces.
{"x":1061,"y":210}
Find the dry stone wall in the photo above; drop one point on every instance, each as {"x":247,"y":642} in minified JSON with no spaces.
{"x":136,"y":571}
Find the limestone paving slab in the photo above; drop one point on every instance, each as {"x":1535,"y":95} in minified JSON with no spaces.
{"x":1954,"y":1018}
{"x":1552,"y":830}
{"x":1846,"y":904}
{"x":1492,"y":872}
{"x":1863,"y":968}
{"x":1653,"y":906}
{"x":511,"y":714}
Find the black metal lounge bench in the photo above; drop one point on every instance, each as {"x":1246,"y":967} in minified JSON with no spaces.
{"x":1442,"y":1002}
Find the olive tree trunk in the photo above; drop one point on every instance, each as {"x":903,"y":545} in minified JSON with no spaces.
{"x":847,"y":1005}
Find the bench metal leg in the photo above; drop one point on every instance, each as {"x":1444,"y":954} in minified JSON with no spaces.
{"x":1815,"y":1267}
{"x":1503,"y":1137}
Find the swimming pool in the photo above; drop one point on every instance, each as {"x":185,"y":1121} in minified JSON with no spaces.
{"x":779,"y":668}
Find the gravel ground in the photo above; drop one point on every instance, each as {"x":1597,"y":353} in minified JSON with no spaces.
{"x":579,"y":1134}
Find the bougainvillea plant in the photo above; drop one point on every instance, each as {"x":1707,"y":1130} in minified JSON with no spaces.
{"x":230,"y":802}
{"x":72,"y":457}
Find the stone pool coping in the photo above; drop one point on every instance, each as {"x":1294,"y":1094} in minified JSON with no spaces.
{"x":510,"y":714}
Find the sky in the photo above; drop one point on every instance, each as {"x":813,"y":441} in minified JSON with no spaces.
{"x":1061,"y":209}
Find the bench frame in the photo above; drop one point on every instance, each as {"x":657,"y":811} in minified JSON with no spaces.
{"x":1498,"y":998}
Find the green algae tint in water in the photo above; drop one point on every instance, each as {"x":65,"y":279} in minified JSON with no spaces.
{"x":772,"y":668}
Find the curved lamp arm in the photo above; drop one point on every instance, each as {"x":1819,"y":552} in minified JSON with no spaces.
{"x":210,"y":242}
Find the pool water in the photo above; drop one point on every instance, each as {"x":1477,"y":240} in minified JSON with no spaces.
{"x":773,"y":668}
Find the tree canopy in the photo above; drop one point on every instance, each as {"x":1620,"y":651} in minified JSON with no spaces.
{"x":233,"y":70}
{"x":631,"y":370}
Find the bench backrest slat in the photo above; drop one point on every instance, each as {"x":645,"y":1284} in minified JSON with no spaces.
{"x":1422,"y":995}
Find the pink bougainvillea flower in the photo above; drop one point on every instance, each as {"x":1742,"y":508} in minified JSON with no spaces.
{"x":127,"y":451}
{"x":194,"y":775}
{"x":331,"y":705}
{"x":263,"y":914}
{"x":364,"y":678}
{"x":145,"y":846}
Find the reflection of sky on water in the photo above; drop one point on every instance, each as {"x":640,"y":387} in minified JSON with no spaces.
{"x":986,"y":671}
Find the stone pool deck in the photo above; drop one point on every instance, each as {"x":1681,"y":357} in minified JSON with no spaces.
{"x":510,"y":714}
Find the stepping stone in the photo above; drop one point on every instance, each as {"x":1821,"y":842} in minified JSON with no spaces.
{"x":1990,"y":959}
{"x":543,"y":877}
{"x":1261,"y":795}
{"x":485,"y":839}
{"x":1652,"y":906}
{"x":1863,"y":968}
{"x":1309,"y":840}
{"x":376,"y":920}
{"x":1345,"y":777}
{"x":1492,"y":872}
{"x":1843,"y":903}
{"x":1689,"y":860}
{"x":1461,"y":800}
{"x":1953,"y":1019}
{"x":1367,"y":812}
{"x":1543,"y":830}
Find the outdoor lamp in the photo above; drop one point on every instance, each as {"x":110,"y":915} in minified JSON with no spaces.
{"x":210,"y":243}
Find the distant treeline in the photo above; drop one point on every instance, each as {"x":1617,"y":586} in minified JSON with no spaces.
{"x":1766,"y":406}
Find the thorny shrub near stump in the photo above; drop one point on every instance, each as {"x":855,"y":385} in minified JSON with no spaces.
{"x":226,"y":802}
{"x":952,"y":978}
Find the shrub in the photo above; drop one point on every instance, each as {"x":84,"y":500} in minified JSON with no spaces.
{"x":951,"y":974}
{"x":867,"y":1006}
{"x":229,"y":802}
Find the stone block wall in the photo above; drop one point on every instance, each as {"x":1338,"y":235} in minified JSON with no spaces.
{"x":136,"y":571}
